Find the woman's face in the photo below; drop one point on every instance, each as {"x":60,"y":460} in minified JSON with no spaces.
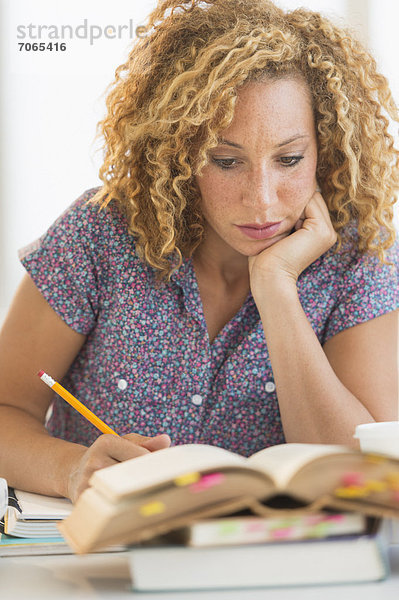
{"x":262,"y":173}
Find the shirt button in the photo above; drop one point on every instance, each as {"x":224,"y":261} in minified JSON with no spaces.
{"x":122,"y":384}
{"x":196,"y":399}
{"x":270,"y":387}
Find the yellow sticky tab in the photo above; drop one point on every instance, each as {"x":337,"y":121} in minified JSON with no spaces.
{"x":187,"y":479}
{"x":393,"y":480}
{"x":376,"y":486}
{"x":352,"y":491}
{"x":375,"y":459}
{"x":152,"y":508}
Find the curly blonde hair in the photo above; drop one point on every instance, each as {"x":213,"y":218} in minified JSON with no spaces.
{"x":178,"y":89}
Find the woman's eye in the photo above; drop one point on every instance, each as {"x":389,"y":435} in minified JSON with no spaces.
{"x":225,"y":163}
{"x":290,"y":161}
{"x":230,"y":163}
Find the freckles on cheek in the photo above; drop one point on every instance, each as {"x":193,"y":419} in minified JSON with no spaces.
{"x":300,"y":190}
{"x":207,"y":188}
{"x":214,"y":194}
{"x":294,"y":203}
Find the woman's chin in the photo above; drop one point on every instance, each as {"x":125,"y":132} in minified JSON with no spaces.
{"x":262,"y":245}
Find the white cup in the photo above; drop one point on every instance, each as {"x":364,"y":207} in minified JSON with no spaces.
{"x":3,"y":497}
{"x":382,"y":438}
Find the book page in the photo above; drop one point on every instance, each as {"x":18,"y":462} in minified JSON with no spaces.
{"x":283,"y":461}
{"x":36,"y":506}
{"x":137,"y":474}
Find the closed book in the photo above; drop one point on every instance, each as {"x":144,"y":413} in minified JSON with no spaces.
{"x":228,"y":531}
{"x":20,"y":546}
{"x":346,"y":559}
{"x":39,"y":546}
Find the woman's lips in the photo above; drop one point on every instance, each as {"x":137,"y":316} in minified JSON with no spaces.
{"x":260,"y":232}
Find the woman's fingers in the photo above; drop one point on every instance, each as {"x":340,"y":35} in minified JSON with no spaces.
{"x":157,"y":443}
{"x":312,"y":236}
{"x":107,"y":450}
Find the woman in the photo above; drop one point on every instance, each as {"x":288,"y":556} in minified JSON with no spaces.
{"x":239,"y":285}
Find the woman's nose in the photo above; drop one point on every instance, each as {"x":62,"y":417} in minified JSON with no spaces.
{"x":260,"y":189}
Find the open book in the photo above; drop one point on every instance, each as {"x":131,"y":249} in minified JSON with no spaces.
{"x":170,"y":488}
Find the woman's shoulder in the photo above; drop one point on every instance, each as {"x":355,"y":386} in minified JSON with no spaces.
{"x":89,"y":219}
{"x":80,"y":261}
{"x":348,"y":257}
{"x":346,"y":265}
{"x":85,"y":224}
{"x":87,"y":234}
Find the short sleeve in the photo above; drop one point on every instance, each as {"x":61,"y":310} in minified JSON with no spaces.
{"x":367,"y":289}
{"x":64,"y":264}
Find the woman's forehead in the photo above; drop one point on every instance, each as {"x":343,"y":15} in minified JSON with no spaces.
{"x":280,"y":107}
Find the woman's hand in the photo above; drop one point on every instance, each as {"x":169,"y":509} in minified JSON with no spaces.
{"x":107,"y":450}
{"x":313,"y":235}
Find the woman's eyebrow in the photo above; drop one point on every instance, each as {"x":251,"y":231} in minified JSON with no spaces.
{"x":225,"y":142}
{"x":295,"y":137}
{"x":298,"y":136}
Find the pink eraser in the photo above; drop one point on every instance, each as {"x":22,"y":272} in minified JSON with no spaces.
{"x":40,"y":373}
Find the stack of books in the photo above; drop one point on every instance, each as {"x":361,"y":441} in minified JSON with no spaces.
{"x":200,"y":517}
{"x":302,"y":550}
{"x":29,"y":525}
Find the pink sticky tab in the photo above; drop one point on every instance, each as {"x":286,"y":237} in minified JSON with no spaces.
{"x":254,"y":527}
{"x":312,"y":519}
{"x":335,"y":518}
{"x":282,"y":534}
{"x":353,"y":479}
{"x":206,"y":482}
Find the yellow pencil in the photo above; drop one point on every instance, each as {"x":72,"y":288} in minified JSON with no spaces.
{"x":74,"y":402}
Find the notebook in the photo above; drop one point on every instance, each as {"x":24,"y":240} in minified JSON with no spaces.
{"x":34,"y":515}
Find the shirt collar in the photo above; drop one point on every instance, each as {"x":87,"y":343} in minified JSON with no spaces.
{"x":185,"y":278}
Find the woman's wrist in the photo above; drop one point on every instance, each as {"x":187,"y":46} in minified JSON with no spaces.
{"x":68,"y":460}
{"x":271,"y":288}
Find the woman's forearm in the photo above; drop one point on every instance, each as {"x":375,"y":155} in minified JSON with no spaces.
{"x":314,"y":405}
{"x":30,"y":458}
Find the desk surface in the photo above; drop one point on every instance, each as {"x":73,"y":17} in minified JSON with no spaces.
{"x":107,"y":577}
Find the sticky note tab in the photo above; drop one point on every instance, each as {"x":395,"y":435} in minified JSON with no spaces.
{"x":375,"y":459}
{"x":152,"y":508}
{"x":393,"y":481}
{"x":321,"y":530}
{"x":352,"y":491}
{"x":282,"y":533}
{"x":187,"y":479}
{"x":376,"y":486}
{"x":336,"y":518}
{"x":206,"y":482}
{"x":228,"y":528}
{"x":353,"y":479}
{"x":255,"y":526}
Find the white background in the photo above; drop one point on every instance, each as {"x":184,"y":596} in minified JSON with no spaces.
{"x":50,"y":103}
